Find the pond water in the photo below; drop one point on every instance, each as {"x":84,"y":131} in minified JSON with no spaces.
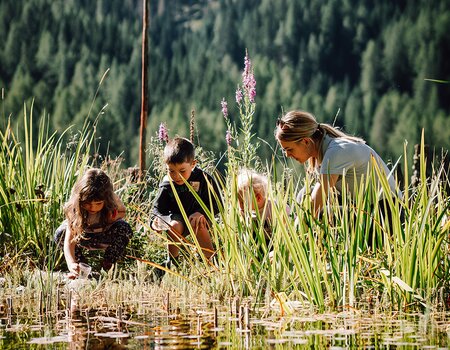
{"x":220,"y":329}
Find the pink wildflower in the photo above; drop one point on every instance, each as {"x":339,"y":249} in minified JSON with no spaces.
{"x":224,"y":108}
{"x":252,"y":94}
{"x":228,"y":137}
{"x":238,"y":95}
{"x":162,"y":133}
{"x":248,"y":79}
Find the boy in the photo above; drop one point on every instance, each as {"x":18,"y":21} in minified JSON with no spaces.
{"x":179,"y":158}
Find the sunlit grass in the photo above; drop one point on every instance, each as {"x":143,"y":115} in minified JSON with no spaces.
{"x":38,"y":172}
{"x":347,"y":257}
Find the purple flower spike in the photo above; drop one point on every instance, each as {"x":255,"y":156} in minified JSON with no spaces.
{"x":228,"y":137}
{"x":162,"y":133}
{"x":252,"y":94}
{"x":248,"y":79}
{"x":238,"y":95}
{"x":224,"y":108}
{"x":247,"y":67}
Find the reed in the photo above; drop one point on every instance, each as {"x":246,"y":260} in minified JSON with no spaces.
{"x":37,"y":173}
{"x":419,"y":262}
{"x":350,"y":255}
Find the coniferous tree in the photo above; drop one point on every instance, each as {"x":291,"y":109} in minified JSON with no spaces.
{"x":323,"y":56}
{"x":385,"y":118}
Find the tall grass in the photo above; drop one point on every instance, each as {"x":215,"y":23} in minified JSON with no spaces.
{"x":36,"y":176}
{"x":350,"y":257}
{"x":326,"y":263}
{"x":352,"y":254}
{"x":420,"y":255}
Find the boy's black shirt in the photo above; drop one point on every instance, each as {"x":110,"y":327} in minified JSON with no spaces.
{"x":166,"y":203}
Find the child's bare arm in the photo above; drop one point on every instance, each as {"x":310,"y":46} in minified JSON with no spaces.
{"x":69,"y":252}
{"x":119,"y":213}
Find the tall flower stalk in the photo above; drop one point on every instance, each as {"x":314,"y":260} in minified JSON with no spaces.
{"x":163,"y":135}
{"x":247,"y":108}
{"x":245,"y":150}
{"x":229,"y":135}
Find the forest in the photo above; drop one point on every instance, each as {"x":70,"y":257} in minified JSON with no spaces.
{"x":378,"y":69}
{"x":70,"y":81}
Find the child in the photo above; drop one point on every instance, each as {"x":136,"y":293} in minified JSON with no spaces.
{"x":94,"y":220}
{"x":179,"y":157}
{"x":252,"y":196}
{"x":252,"y":192}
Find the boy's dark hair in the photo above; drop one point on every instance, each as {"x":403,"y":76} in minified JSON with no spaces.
{"x":179,"y":150}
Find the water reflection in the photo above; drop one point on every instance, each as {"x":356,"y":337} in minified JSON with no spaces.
{"x":97,"y":330}
{"x":78,"y":327}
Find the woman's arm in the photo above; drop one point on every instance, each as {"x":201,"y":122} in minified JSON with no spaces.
{"x":321,"y":189}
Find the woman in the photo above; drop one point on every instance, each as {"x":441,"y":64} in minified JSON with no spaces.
{"x":330,"y":152}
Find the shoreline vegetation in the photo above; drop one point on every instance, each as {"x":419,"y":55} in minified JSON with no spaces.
{"x":321,"y":273}
{"x":321,"y":264}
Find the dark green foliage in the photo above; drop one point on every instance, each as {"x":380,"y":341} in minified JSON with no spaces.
{"x":368,"y":60}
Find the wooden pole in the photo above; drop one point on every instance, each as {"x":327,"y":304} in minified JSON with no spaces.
{"x":144,"y":89}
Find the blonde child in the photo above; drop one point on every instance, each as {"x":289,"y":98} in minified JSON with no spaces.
{"x":252,"y":196}
{"x":253,"y":200}
{"x":94,"y":220}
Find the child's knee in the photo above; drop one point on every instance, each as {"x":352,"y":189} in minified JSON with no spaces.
{"x":178,"y":226}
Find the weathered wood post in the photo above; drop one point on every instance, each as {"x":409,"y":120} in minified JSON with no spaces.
{"x":144,"y":90}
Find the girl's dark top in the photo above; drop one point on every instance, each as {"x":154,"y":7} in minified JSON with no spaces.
{"x":166,"y":203}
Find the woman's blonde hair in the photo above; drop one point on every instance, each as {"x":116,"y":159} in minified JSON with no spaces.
{"x":94,"y":185}
{"x":297,"y":125}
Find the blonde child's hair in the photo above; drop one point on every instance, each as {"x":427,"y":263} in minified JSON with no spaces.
{"x":249,"y":179}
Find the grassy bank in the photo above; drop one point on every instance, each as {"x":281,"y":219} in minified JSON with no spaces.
{"x":349,"y":258}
